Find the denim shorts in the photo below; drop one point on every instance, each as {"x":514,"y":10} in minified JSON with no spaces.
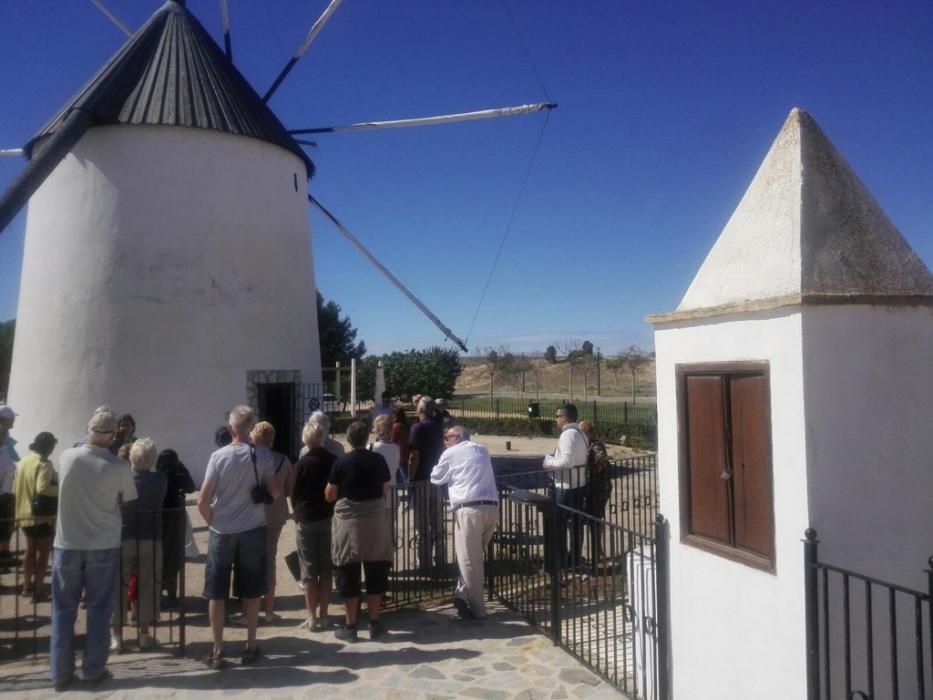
{"x":245,"y":550}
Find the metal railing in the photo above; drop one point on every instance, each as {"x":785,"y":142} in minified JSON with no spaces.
{"x":633,"y":498}
{"x":25,"y":623}
{"x":498,"y":408}
{"x":866,"y":639}
{"x":610,"y":612}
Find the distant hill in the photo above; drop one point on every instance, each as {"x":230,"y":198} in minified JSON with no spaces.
{"x":553,"y":378}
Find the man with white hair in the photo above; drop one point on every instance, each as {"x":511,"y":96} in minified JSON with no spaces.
{"x":322,"y":420}
{"x":239,"y":481}
{"x":92,"y":483}
{"x":466,"y":468}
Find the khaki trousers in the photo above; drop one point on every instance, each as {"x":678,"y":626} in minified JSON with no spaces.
{"x":473,"y":529}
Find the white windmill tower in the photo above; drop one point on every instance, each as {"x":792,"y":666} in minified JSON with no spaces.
{"x":167,"y":267}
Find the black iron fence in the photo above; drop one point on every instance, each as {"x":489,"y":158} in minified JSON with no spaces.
{"x":610,"y":610}
{"x":143,"y":617}
{"x":592,"y":410}
{"x":604,"y":599}
{"x":867,"y":639}
{"x":633,"y":496}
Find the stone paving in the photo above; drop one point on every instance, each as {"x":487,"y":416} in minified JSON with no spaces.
{"x":427,"y":654}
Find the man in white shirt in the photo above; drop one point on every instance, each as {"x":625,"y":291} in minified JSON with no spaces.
{"x":92,"y":482}
{"x":568,"y":466}
{"x":234,"y":511}
{"x":465,"y":467}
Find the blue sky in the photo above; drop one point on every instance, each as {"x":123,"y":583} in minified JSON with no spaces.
{"x":666,"y":110}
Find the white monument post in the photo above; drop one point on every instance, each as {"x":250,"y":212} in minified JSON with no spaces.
{"x":808,"y":332}
{"x":353,"y":387}
{"x":380,"y":381}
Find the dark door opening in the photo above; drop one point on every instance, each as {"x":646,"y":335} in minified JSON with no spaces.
{"x":277,"y":405}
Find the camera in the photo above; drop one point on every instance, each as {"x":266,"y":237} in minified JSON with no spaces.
{"x":260,"y":494}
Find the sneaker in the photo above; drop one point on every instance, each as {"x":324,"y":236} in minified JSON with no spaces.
{"x":250,"y":656}
{"x":63,"y":686}
{"x":116,"y":644}
{"x":377,"y":629}
{"x":345,"y":633}
{"x":146,"y":641}
{"x":463,"y":609}
{"x":271,"y":617}
{"x":104,"y":676}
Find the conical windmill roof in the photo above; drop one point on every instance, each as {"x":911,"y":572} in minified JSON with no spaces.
{"x":172,"y":73}
{"x":806,"y":231}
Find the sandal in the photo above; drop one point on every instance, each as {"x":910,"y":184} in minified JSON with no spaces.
{"x":213,"y":661}
{"x":250,"y":656}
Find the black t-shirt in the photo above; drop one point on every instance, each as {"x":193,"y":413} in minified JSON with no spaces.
{"x":427,"y":436}
{"x":311,"y":474}
{"x":359,"y":475}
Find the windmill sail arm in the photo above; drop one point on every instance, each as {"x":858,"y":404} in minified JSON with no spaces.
{"x":45,"y":157}
{"x":433,"y":121}
{"x":112,"y":17}
{"x":392,"y":278}
{"x":225,"y":19}
{"x":312,"y":34}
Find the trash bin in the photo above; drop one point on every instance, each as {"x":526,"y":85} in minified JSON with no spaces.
{"x":534,"y":409}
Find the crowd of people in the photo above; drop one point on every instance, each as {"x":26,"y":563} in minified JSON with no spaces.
{"x":119,"y":528}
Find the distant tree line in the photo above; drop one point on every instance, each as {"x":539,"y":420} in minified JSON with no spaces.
{"x":580,"y":358}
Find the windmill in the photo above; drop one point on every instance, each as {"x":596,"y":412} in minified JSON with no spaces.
{"x":163,"y":198}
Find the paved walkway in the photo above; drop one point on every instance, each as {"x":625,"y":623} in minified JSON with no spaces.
{"x":428,"y":654}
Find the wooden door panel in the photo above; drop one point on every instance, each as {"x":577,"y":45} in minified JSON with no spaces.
{"x":751,"y":461}
{"x":706,"y":456}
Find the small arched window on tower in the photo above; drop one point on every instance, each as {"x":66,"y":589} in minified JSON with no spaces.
{"x":726,"y":500}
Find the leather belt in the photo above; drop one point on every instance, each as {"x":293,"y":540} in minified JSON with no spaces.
{"x":476,"y":503}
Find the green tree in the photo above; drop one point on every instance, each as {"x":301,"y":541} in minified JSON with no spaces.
{"x":433,"y":372}
{"x":587,"y":348}
{"x":7,"y":331}
{"x":550,"y":354}
{"x":337,"y":334}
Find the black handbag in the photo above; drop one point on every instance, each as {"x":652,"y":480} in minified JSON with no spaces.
{"x":43,"y":506}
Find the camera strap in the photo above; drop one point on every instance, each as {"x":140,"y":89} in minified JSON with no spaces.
{"x":252,"y":456}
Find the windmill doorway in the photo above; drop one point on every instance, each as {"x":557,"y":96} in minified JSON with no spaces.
{"x":274,"y":396}
{"x":276,"y":403}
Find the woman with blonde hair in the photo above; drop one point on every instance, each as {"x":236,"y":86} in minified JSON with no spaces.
{"x":142,"y":548}
{"x":383,"y":445}
{"x":263,"y":435}
{"x":313,"y":515}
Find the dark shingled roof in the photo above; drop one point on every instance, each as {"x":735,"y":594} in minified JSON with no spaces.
{"x":172,"y":73}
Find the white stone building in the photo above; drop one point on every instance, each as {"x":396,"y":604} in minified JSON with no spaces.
{"x":795,"y":389}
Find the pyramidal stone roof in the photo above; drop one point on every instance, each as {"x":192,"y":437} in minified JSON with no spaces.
{"x":806,"y":231}
{"x":172,"y":73}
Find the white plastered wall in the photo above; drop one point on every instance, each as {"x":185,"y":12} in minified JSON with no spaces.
{"x":869,"y":396}
{"x":738,"y":632}
{"x":160,"y":265}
